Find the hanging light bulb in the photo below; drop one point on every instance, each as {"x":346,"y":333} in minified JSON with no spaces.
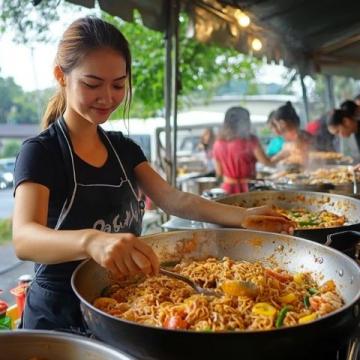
{"x":256,"y":44}
{"x":244,"y":20}
{"x":241,"y":18}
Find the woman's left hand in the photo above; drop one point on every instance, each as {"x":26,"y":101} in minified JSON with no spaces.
{"x":264,"y":218}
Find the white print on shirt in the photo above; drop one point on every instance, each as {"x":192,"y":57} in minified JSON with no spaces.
{"x":117,"y":225}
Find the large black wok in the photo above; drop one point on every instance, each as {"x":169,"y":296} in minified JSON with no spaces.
{"x":314,"y":340}
{"x":314,"y":201}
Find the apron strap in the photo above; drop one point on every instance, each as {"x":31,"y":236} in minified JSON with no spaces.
{"x":60,"y":128}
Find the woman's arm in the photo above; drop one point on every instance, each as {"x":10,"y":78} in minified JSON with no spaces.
{"x":30,"y":234}
{"x":260,"y":155}
{"x":120,"y":253}
{"x":194,"y":207}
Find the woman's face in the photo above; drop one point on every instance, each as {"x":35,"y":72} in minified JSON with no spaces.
{"x":287,"y":131}
{"x":275,"y":127}
{"x":345,"y":129}
{"x":97,"y":86}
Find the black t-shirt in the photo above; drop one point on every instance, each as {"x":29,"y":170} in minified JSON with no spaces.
{"x":40,"y":161}
{"x":324,"y":140}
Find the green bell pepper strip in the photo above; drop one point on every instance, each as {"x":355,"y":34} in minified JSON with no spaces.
{"x":306,"y":302}
{"x":281,"y":316}
{"x":312,"y":291}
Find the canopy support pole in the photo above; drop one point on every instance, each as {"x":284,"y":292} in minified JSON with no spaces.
{"x":305,"y":98}
{"x":330,"y":91}
{"x":171,"y":89}
{"x":330,"y":95}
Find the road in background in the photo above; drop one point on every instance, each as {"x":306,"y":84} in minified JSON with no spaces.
{"x":10,"y":267}
{"x":6,"y":203}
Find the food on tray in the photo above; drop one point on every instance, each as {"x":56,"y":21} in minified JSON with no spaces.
{"x":330,"y":156}
{"x":306,"y":219}
{"x":283,"y":298}
{"x":337,"y":176}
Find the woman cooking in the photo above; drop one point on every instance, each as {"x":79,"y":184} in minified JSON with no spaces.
{"x":77,"y":186}
{"x":344,"y":122}
{"x":297,"y":142}
{"x":236,"y":151}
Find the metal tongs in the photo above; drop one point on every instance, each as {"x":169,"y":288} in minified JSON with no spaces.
{"x":230,"y":287}
{"x":196,"y":287}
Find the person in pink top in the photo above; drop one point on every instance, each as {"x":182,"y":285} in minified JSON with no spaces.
{"x":236,"y":151}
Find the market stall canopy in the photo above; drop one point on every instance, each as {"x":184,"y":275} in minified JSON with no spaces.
{"x":325,"y":34}
{"x":312,"y":36}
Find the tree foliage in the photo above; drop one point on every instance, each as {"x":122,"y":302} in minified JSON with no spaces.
{"x":202,"y":68}
{"x":10,"y":148}
{"x":19,"y":107}
{"x":28,"y":23}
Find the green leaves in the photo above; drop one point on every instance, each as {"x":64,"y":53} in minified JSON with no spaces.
{"x":202,"y":67}
{"x":27,"y":22}
{"x":19,"y":107}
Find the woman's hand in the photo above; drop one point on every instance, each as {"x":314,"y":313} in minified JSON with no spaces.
{"x":264,"y":218}
{"x":122,"y":254}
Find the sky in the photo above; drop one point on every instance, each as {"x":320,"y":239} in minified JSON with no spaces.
{"x":37,"y":59}
{"x":34,"y":71}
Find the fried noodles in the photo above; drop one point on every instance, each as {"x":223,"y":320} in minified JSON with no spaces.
{"x":283,"y":299}
{"x":306,"y":219}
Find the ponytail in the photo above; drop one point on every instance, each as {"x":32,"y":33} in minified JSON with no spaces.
{"x":349,"y":107}
{"x":288,"y":114}
{"x":55,"y":108}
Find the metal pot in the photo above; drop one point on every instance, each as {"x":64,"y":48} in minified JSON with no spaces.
{"x":199,"y":184}
{"x":52,"y":345}
{"x":318,"y":339}
{"x":313,"y":201}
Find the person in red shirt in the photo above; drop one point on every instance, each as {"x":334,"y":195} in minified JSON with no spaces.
{"x":236,"y":151}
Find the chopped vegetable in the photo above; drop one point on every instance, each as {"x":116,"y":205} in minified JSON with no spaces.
{"x":308,"y":318}
{"x":104,"y":302}
{"x":328,"y":286}
{"x":281,"y":316}
{"x":239,"y":288}
{"x":208,"y":329}
{"x":264,"y":308}
{"x":306,"y":302}
{"x":315,"y":302}
{"x":299,"y":278}
{"x":288,"y":298}
{"x":312,"y":291}
{"x":282,"y":277}
{"x":175,"y":322}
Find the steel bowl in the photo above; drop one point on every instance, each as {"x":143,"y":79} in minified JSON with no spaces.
{"x":53,"y":345}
